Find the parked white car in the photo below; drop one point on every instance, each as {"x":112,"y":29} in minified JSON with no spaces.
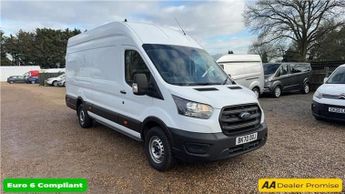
{"x":55,"y":80}
{"x":157,"y":85}
{"x":329,"y":98}
{"x":245,"y":70}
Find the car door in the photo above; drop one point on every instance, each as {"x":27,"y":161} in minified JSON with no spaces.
{"x":298,"y":74}
{"x":283,"y":75}
{"x":21,"y":79}
{"x":133,"y":105}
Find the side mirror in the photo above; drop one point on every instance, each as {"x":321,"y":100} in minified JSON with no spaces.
{"x":140,"y":84}
{"x":325,"y":79}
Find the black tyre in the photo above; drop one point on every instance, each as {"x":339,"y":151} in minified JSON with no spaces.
{"x":11,"y":82}
{"x":277,"y":92}
{"x":85,"y":121}
{"x":33,"y":82}
{"x":306,"y":88}
{"x":55,"y":83}
{"x":158,"y":149}
{"x":256,"y":92}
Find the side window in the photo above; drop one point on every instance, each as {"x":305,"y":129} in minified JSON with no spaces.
{"x":134,"y":64}
{"x":298,"y":68}
{"x":284,"y":69}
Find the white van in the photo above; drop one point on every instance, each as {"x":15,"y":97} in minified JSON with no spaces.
{"x":329,"y":98}
{"x":246,"y":70}
{"x":159,"y":86}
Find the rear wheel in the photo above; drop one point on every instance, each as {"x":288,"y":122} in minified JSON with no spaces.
{"x":277,"y":92}
{"x":158,"y":149}
{"x":306,"y":88}
{"x":256,"y":92}
{"x":55,"y":83}
{"x":85,"y":120}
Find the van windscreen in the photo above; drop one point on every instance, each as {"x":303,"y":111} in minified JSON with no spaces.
{"x":270,"y":68}
{"x":186,"y":66}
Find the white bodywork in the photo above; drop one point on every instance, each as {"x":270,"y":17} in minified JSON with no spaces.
{"x":330,"y":89}
{"x":95,"y":72}
{"x":246,"y":70}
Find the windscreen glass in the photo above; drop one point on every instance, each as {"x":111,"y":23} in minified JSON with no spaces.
{"x":270,"y":68}
{"x":337,"y":77}
{"x":186,"y":66}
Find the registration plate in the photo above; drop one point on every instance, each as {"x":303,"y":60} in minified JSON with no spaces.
{"x":336,"y":110}
{"x":246,"y":138}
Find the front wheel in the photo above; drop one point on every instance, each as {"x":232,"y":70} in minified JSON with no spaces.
{"x":158,"y":149}
{"x":306,"y":88}
{"x":277,"y":92}
{"x":33,"y":82}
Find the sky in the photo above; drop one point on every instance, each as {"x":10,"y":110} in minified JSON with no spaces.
{"x":217,"y":25}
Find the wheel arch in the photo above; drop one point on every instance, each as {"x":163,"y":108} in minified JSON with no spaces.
{"x":152,"y":121}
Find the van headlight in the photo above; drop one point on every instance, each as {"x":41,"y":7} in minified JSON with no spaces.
{"x":192,"y":109}
{"x":318,"y":95}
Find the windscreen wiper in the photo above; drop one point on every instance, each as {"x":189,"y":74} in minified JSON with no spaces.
{"x":227,"y":78}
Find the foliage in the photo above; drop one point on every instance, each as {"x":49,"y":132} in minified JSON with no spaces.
{"x":330,"y":47}
{"x":295,"y":21}
{"x":45,"y":47}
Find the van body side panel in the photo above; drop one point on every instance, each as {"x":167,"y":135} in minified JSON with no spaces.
{"x":248,"y":74}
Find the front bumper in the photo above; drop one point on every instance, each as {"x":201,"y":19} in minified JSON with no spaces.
{"x":191,"y":146}
{"x":321,"y":111}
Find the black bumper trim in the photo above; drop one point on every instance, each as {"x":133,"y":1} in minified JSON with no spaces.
{"x":321,"y":111}
{"x":71,"y":102}
{"x":214,"y":146}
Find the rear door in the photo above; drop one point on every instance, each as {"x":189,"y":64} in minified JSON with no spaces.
{"x":300,"y":72}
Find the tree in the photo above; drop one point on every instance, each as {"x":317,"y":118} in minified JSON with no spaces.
{"x":330,"y":47}
{"x":44,"y":47}
{"x":297,"y":21}
{"x":4,"y":60}
{"x":267,"y":52}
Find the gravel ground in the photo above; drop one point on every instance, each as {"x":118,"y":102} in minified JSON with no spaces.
{"x":40,"y":137}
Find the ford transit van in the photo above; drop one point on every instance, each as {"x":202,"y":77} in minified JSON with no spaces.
{"x":287,"y":77}
{"x":159,"y":86}
{"x":245,"y":70}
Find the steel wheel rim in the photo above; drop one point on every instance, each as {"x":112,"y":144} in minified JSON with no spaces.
{"x":256,"y":92}
{"x":82,"y":117}
{"x":277,"y":92}
{"x":156,"y":149}
{"x":306,"y":88}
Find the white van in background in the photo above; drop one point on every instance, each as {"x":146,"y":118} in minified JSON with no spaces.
{"x":159,"y":86}
{"x":246,"y":70}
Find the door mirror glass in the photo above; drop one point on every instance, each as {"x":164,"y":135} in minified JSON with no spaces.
{"x":140,"y":84}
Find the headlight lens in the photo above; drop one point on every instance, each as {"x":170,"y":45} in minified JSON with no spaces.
{"x":193,"y":109}
{"x":318,"y":95}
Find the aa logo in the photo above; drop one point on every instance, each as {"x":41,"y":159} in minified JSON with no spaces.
{"x":269,"y":185}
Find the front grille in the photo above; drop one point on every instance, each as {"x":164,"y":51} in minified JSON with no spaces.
{"x":231,"y":122}
{"x":330,"y":96}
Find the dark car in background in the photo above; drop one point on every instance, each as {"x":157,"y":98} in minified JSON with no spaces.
{"x":286,"y":76}
{"x":17,"y":79}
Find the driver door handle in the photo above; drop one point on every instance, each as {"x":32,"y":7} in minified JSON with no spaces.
{"x":123,"y":92}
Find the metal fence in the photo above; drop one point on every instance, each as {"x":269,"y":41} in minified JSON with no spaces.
{"x":321,"y":70}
